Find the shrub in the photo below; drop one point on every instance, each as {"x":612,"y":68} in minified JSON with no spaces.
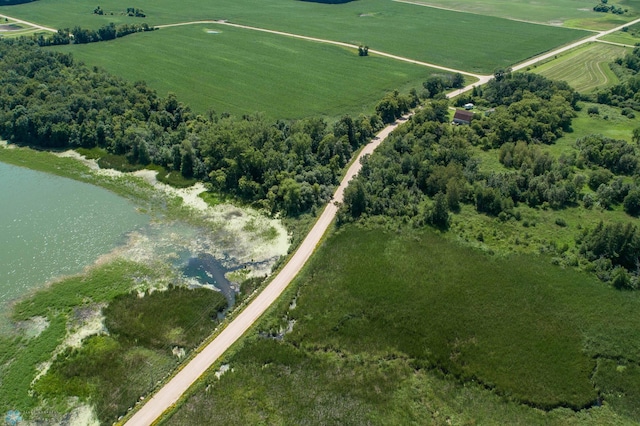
{"x":561,"y":222}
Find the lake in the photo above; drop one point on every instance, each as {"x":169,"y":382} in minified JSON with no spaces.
{"x":52,"y":226}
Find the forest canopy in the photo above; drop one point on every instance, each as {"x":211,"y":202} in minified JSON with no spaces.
{"x":428,"y":169}
{"x":50,"y":101}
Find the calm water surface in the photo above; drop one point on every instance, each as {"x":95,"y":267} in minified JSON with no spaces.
{"x":52,"y":226}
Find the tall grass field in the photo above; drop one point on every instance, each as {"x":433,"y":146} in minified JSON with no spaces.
{"x":381,"y":317}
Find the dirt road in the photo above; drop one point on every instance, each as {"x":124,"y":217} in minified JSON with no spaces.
{"x":20,"y":21}
{"x":325,"y":41}
{"x":593,"y":38}
{"x":172,"y":391}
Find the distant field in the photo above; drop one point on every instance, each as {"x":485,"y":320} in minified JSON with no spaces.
{"x":544,"y":11}
{"x":239,"y":71}
{"x":585,"y":68}
{"x":463,"y":41}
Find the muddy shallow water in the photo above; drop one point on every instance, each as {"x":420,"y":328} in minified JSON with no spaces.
{"x":52,"y":227}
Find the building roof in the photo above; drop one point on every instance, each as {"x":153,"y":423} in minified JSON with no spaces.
{"x":463,"y":115}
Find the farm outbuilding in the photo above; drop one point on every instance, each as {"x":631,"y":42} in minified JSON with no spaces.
{"x":462,"y":117}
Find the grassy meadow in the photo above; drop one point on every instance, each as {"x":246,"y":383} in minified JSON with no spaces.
{"x":586,"y":68}
{"x":545,"y":12}
{"x":110,"y":370}
{"x":608,"y":122}
{"x":468,"y":42}
{"x":481,"y":339}
{"x":538,"y":231}
{"x":631,"y":36}
{"x":238,"y":71}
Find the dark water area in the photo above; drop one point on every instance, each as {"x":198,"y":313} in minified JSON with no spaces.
{"x":209,"y":271}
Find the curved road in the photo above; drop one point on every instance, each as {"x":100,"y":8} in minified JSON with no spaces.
{"x":178,"y":385}
{"x":173,"y":390}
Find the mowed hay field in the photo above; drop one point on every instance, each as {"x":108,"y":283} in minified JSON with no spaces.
{"x":585,"y":68}
{"x":469,"y":42}
{"x":378,"y":315}
{"x":579,"y":13}
{"x":240,"y":71}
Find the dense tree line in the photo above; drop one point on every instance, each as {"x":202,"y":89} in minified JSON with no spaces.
{"x":426,"y":169}
{"x":438,"y":84}
{"x":429,"y":156}
{"x":50,"y":101}
{"x":604,"y":7}
{"x":614,"y":250}
{"x":394,"y":105}
{"x":79,"y":35}
{"x":10,"y":2}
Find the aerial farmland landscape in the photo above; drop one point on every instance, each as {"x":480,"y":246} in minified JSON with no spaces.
{"x":323,"y":212}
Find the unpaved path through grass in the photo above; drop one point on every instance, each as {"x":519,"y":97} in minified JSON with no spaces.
{"x":593,"y":38}
{"x":173,"y":390}
{"x":20,"y":21}
{"x":321,"y":40}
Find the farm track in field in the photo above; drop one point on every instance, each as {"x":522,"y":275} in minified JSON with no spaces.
{"x":335,"y":43}
{"x":31,"y":24}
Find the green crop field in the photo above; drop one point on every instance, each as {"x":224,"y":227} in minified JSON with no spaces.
{"x":629,"y":36}
{"x":232,"y":70}
{"x":579,"y":12}
{"x":376,"y":313}
{"x":585,"y":68}
{"x":463,"y":41}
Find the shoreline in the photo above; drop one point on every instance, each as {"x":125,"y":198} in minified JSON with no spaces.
{"x":238,"y":237}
